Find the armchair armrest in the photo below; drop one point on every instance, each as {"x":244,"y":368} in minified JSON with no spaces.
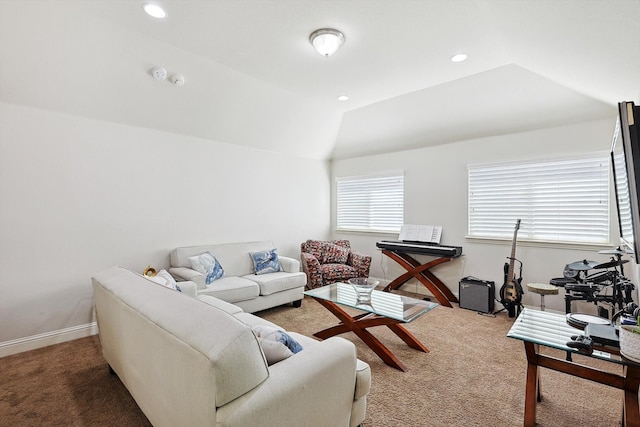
{"x":361,"y":262}
{"x":311,"y":267}
{"x":324,"y":372}
{"x":184,"y":273}
{"x":289,"y":265}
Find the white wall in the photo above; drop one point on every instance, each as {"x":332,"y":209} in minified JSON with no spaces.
{"x":80,"y":195}
{"x":436,"y":194}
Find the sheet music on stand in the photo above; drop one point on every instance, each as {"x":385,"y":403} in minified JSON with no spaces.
{"x":420,"y":233}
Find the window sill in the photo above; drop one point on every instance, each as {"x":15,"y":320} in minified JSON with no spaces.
{"x":542,"y":243}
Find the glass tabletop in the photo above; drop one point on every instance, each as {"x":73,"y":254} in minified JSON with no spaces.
{"x":394,"y":306}
{"x":552,"y":330}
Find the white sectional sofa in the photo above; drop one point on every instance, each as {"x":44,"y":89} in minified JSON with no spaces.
{"x":190,"y":362}
{"x":239,"y":284}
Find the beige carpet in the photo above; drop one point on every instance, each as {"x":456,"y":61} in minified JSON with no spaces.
{"x":473,"y":376}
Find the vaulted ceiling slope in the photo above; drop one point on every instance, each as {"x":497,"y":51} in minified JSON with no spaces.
{"x":253,"y":79}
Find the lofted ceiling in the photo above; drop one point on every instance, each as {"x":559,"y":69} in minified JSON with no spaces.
{"x":253,"y":79}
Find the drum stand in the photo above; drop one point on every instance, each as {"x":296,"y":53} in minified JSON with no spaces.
{"x":621,"y":295}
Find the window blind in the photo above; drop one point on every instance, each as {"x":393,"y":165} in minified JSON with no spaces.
{"x":558,"y":201}
{"x":370,"y":203}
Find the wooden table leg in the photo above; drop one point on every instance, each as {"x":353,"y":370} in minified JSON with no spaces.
{"x":358,"y":326}
{"x":380,"y":349}
{"x":631,"y":412}
{"x":531,"y":389}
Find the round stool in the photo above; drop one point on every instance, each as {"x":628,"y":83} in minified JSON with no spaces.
{"x":542,"y":289}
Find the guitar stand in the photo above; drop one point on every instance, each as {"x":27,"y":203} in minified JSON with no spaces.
{"x":518,"y":309}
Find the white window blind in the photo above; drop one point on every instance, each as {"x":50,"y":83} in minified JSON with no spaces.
{"x":370,"y":203}
{"x":557,"y":201}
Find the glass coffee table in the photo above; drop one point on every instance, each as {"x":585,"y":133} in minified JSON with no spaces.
{"x":385,"y":309}
{"x":542,"y":328}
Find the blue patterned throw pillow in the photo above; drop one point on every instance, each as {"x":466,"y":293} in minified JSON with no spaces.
{"x":207,"y":265}
{"x":276,"y":344}
{"x":266,"y":261}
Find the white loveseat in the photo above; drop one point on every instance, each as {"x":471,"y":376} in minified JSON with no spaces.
{"x":240,"y":285}
{"x":191,"y":363}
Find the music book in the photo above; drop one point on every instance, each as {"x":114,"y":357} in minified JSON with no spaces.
{"x":420,"y":233}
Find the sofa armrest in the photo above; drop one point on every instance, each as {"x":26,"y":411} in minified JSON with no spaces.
{"x":184,"y":273}
{"x":289,"y":265}
{"x":189,"y":288}
{"x":311,"y":266}
{"x":361,"y":262}
{"x":324,"y":372}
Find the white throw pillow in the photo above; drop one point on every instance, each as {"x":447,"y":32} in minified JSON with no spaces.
{"x":165,"y":279}
{"x":274,"y":351}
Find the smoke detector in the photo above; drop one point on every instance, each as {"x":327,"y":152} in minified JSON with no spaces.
{"x":159,"y":73}
{"x":177,"y":79}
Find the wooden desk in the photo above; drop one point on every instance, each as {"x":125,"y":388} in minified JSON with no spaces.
{"x":421,"y":272}
{"x":541,"y":328}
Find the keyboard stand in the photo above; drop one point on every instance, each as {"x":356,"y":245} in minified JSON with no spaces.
{"x":421,"y":272}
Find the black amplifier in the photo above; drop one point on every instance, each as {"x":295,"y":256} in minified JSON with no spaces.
{"x":477,"y":295}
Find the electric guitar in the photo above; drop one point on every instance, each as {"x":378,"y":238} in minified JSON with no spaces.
{"x":511,"y":291}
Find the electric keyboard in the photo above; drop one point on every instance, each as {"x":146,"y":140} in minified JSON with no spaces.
{"x":420,"y":248}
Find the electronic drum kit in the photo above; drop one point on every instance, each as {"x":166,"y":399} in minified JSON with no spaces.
{"x":593,"y":287}
{"x":602,"y":329}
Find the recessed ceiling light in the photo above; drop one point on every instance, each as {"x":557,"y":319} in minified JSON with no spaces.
{"x":459,"y":57}
{"x":343,"y":98}
{"x":154,"y":10}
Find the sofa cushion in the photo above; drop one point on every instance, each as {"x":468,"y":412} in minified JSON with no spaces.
{"x":218,"y":303}
{"x":207,"y":264}
{"x":265,"y":261}
{"x":334,"y":254}
{"x":276,"y":282}
{"x":314,"y":247}
{"x":233,"y":289}
{"x":253,"y":320}
{"x":322,"y":249}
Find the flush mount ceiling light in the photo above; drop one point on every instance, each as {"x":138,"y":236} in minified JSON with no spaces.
{"x":326,"y":41}
{"x":343,"y":98}
{"x":154,"y":10}
{"x":459,"y":57}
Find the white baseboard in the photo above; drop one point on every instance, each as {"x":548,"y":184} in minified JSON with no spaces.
{"x":33,"y":342}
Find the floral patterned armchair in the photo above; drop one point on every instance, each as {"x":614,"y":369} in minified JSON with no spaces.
{"x":326,"y":262}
